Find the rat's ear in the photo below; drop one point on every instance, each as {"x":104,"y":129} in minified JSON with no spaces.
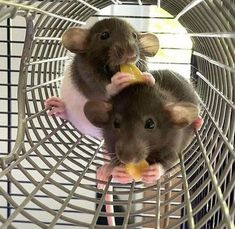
{"x":74,"y":39}
{"x":97,"y":112}
{"x":181,"y":114}
{"x":149,"y":43}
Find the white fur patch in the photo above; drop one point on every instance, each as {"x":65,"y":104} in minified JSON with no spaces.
{"x":74,"y":102}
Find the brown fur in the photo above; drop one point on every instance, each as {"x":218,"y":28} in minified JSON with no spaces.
{"x":97,"y":60}
{"x":137,"y":103}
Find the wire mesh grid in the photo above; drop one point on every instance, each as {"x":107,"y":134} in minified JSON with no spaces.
{"x":47,"y":170}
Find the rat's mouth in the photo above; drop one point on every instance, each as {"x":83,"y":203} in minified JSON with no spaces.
{"x":114,"y":67}
{"x":110,"y":71}
{"x":131,"y":60}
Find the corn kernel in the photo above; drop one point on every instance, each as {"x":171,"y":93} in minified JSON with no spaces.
{"x":136,"y":170}
{"x":132,"y":69}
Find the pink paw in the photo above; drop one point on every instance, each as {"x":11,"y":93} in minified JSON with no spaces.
{"x":103,"y":173}
{"x":120,"y":175}
{"x":121,"y":80}
{"x":57,"y":107}
{"x":198,"y":122}
{"x":153,"y":173}
{"x":149,"y":79}
{"x":118,"y":82}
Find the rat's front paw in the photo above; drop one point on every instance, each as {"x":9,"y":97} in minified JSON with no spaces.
{"x":118,"y":82}
{"x":57,"y":107}
{"x":152,"y":173}
{"x":120,"y":175}
{"x":148,"y":78}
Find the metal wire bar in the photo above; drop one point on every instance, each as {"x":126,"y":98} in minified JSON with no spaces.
{"x":21,"y":93}
{"x":39,"y":203}
{"x":52,"y":195}
{"x":36,"y":115}
{"x":187,"y":194}
{"x":215,"y":34}
{"x":228,"y":144}
{"x":159,"y":3}
{"x":214,"y":62}
{"x":11,"y":166}
{"x":60,"y":212}
{"x":158,"y":205}
{"x":48,"y":60}
{"x":188,"y":7}
{"x":129,"y":203}
{"x":31,"y":195}
{"x":34,"y":9}
{"x":89,"y":5}
{"x":7,"y":12}
{"x":101,"y":203}
{"x":15,"y":205}
{"x":218,"y":92}
{"x":44,"y":84}
{"x":48,"y":38}
{"x":223,"y":205}
{"x":116,"y":2}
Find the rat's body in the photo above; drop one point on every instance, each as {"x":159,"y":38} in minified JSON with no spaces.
{"x":99,"y":52}
{"x":154,"y":123}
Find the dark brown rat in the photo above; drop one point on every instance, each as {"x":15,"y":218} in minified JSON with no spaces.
{"x":144,"y":122}
{"x":99,"y":51}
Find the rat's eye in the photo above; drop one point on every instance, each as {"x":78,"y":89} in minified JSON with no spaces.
{"x":116,"y":123}
{"x":149,"y":124}
{"x":104,"y":35}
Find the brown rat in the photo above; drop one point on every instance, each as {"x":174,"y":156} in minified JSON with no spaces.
{"x":99,"y":51}
{"x":106,"y":45}
{"x":143,"y":122}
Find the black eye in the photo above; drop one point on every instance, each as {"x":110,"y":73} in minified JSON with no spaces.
{"x":116,"y":123}
{"x":104,"y":35}
{"x":134,"y":35}
{"x":149,"y":124}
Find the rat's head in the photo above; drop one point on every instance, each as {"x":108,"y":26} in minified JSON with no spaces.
{"x":109,"y":43}
{"x":137,"y":122}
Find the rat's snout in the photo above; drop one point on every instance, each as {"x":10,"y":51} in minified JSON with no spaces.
{"x":124,"y":52}
{"x":131,"y":152}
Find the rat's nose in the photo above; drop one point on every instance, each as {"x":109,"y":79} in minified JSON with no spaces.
{"x":125,"y":53}
{"x":129,"y":153}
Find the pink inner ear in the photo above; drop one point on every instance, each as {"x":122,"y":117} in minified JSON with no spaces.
{"x":182,"y":114}
{"x":150,"y":44}
{"x":75,"y":40}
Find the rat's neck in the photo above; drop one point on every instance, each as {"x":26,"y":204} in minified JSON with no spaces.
{"x":89,"y":79}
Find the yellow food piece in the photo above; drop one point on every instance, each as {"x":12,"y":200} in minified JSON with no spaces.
{"x":136,"y":170}
{"x":132,"y":69}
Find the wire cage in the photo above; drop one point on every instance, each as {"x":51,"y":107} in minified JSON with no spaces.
{"x":48,"y":168}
